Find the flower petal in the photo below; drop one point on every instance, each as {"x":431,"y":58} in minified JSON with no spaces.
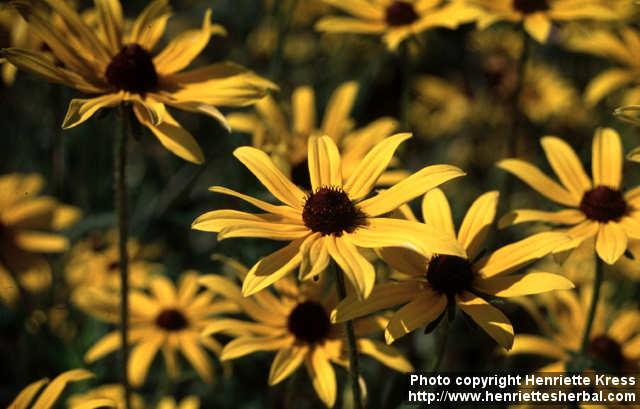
{"x":404,"y":260}
{"x":385,"y":354}
{"x":247,"y":345}
{"x":421,"y":311}
{"x":111,"y":22}
{"x":523,"y":284}
{"x":324,"y":163}
{"x":27,"y":394}
{"x":336,"y":114}
{"x":359,"y":8}
{"x":437,"y":212}
{"x":605,"y":83}
{"x":538,"y":26}
{"x":287,"y":360}
{"x":323,"y":377}
{"x":141,"y":357}
{"x":51,"y":393}
{"x":354,"y":265}
{"x":567,"y":166}
{"x":197,"y":357}
{"x":611,"y":242}
{"x":82,"y":109}
{"x":477,"y":222}
{"x":607,"y":158}
{"x":38,"y":242}
{"x":303,"y":110}
{"x":567,"y":216}
{"x":535,"y":345}
{"x":149,"y":26}
{"x":488,"y":317}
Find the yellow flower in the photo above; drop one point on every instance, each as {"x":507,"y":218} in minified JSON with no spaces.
{"x":623,"y":48}
{"x":395,"y":20}
{"x":119,"y":67}
{"x":536,"y":16}
{"x":332,"y":221}
{"x":167,"y":319}
{"x":596,"y":209}
{"x":19,"y":36}
{"x":634,"y":155}
{"x":115,"y":394}
{"x":94,"y":262}
{"x":296,"y":325}
{"x":285,"y":140}
{"x":614,"y":341}
{"x":29,"y":228}
{"x":429,"y":284}
{"x":52,"y":392}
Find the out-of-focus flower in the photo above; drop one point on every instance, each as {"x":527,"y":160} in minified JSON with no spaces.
{"x":285,"y":140}
{"x":439,"y":107}
{"x":167,"y":319}
{"x":432,"y":283}
{"x":621,"y":47}
{"x":634,"y":155}
{"x":19,"y":36}
{"x":94,"y":262}
{"x":395,"y":20}
{"x":119,"y":67}
{"x":52,"y":392}
{"x":597,"y":208}
{"x":334,"y":220}
{"x":296,"y":325}
{"x":115,"y":394}
{"x":56,"y":319}
{"x":614,"y":341}
{"x":537,"y":16}
{"x":29,"y":228}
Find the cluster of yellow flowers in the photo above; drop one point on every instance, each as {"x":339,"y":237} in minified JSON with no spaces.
{"x":342,"y":200}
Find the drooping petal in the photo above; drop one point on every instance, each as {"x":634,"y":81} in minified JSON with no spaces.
{"x":488,"y":317}
{"x":354,"y":265}
{"x":324,"y":163}
{"x":53,"y":390}
{"x":611,"y":242}
{"x":323,"y":377}
{"x":477,"y":222}
{"x":287,"y":360}
{"x":82,"y":109}
{"x":522,"y":284}
{"x":421,"y":311}
{"x":27,"y":394}
{"x":566,"y":165}
{"x":141,"y":357}
{"x":197,"y":357}
{"x":385,"y":354}
{"x":315,"y":258}
{"x":606,"y":161}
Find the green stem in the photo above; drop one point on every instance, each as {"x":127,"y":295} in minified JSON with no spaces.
{"x":597,"y":283}
{"x":120,"y":187}
{"x":407,"y":71}
{"x":442,"y":344}
{"x":351,"y":343}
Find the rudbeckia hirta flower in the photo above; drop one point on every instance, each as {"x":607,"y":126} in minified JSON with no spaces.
{"x":51,"y":393}
{"x":296,"y":325}
{"x":286,"y":140}
{"x":114,"y":393}
{"x":29,"y":228}
{"x":334,"y":219}
{"x":597,"y":208}
{"x":395,"y":20}
{"x":118,"y":67}
{"x":430,"y":284}
{"x":168,"y":319}
{"x":537,"y":16}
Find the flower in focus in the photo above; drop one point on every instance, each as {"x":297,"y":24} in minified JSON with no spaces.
{"x":296,"y":325}
{"x":168,"y":319}
{"x":94,"y":262}
{"x":334,"y":220}
{"x":119,"y":67}
{"x":614,"y":341}
{"x":597,"y":208}
{"x":115,"y":394}
{"x":537,"y":16}
{"x":52,"y":392}
{"x":395,"y":20}
{"x":29,"y":228}
{"x":429,"y":285}
{"x":286,"y":140}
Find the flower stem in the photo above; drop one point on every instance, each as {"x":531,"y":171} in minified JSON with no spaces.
{"x":120,"y":187}
{"x":351,"y":342}
{"x":597,"y":283}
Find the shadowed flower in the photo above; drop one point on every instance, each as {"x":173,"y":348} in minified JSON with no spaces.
{"x":395,"y":20}
{"x":598,"y":208}
{"x":536,"y":16}
{"x":634,"y":155}
{"x":119,"y":67}
{"x":285,"y":140}
{"x":334,"y":220}
{"x":115,"y":394}
{"x":19,"y":36}
{"x":430,"y":284}
{"x":296,"y":325}
{"x":51,"y":393}
{"x":29,"y":228}
{"x":168,"y":319}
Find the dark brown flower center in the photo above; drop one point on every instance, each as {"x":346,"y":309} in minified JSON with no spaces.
{"x":309,"y":322}
{"x":171,"y":319}
{"x":132,"y":70}
{"x":603,"y":204}
{"x":113,"y":266}
{"x":606,"y":350}
{"x":300,"y":174}
{"x":450,"y":275}
{"x":400,"y":13}
{"x":330,"y":211}
{"x":530,"y":6}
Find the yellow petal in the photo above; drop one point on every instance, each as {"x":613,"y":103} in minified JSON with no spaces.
{"x":8,"y":288}
{"x":567,"y":216}
{"x":567,"y":166}
{"x":477,"y":222}
{"x":216,"y":220}
{"x":303,"y":110}
{"x":38,"y":242}
{"x":437,"y":212}
{"x":323,"y":377}
{"x":353,"y":264}
{"x":385,"y":354}
{"x":523,"y":284}
{"x":27,"y":394}
{"x":359,"y":8}
{"x":415,"y":185}
{"x":535,"y":345}
{"x":634,"y":155}
{"x":287,"y":360}
{"x":538,"y":26}
{"x":632,"y":348}
{"x":488,"y":317}
{"x":324,"y":163}
{"x":315,"y":258}
{"x":611,"y":242}
{"x":111,"y":22}
{"x":336,"y":114}
{"x":420,"y":312}
{"x":624,"y":325}
{"x":607,"y":158}
{"x":52,"y":392}
{"x":236,"y":328}
{"x":149,"y":26}
{"x":104,"y":346}
{"x":349,"y":25}
{"x":197,"y":357}
{"x":247,"y":345}
{"x":140,"y":359}
{"x":82,"y":109}
{"x":284,"y":230}
{"x":404,"y":260}
{"x":605,"y":83}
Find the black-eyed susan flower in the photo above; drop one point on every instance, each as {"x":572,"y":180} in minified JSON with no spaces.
{"x":94,"y":262}
{"x":537,"y":16}
{"x":613,"y":343}
{"x":30,"y":226}
{"x":51,"y":393}
{"x":285,"y":140}
{"x":334,"y":219}
{"x":168,"y":319}
{"x":429,"y":283}
{"x":596,"y":208}
{"x":634,"y":155}
{"x":19,"y":36}
{"x":296,"y":324}
{"x":115,"y":394}
{"x":395,"y":20}
{"x":117,"y":66}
